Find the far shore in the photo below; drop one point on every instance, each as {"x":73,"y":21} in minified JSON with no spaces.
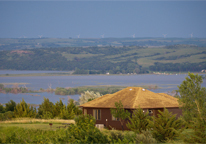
{"x":69,"y":74}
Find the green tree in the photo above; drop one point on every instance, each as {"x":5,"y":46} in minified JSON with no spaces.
{"x":46,"y":108}
{"x":23,"y":109}
{"x":120,"y":112}
{"x":57,"y":108}
{"x":73,"y":109}
{"x":166,"y":126}
{"x":2,"y":109}
{"x":139,"y":121}
{"x":193,"y":104}
{"x":10,"y":105}
{"x":192,"y":97}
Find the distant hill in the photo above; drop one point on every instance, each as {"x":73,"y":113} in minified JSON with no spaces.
{"x":115,"y":60}
{"x":28,"y":43}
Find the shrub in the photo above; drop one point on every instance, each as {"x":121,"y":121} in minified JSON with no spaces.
{"x":6,"y":116}
{"x":116,"y":136}
{"x":198,"y":135}
{"x":85,"y":131}
{"x":145,"y":137}
{"x":166,"y":126}
{"x":139,"y":121}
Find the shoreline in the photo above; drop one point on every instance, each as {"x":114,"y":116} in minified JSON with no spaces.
{"x":64,"y":74}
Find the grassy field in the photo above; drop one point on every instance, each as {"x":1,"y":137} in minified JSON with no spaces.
{"x":44,"y":133}
{"x":30,"y":123}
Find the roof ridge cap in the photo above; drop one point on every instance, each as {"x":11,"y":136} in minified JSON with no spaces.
{"x":136,"y":97}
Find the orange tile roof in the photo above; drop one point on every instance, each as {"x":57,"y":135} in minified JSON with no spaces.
{"x":133,"y":97}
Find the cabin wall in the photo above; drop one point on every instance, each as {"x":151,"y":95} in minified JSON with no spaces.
{"x":176,"y":111}
{"x":106,"y":117}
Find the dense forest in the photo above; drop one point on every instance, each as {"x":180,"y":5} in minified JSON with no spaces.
{"x":101,"y":60}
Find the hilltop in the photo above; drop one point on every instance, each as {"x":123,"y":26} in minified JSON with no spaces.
{"x":28,"y":43}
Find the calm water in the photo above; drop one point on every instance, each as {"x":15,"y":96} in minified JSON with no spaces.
{"x":26,"y":72}
{"x":166,"y":82}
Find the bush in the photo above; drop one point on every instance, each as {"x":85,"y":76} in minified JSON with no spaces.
{"x":166,"y":126}
{"x":145,"y":137}
{"x":139,"y":121}
{"x":85,"y":131}
{"x":6,"y":116}
{"x":198,"y":134}
{"x":116,"y":136}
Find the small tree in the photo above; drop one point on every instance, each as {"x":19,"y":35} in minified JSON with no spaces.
{"x":192,"y":97}
{"x":57,"y":108}
{"x":139,"y":121}
{"x":23,"y":109}
{"x":166,"y":126}
{"x":45,"y":110}
{"x":88,"y":96}
{"x":120,"y":112}
{"x":10,"y":105}
{"x":2,"y":109}
{"x":73,"y":109}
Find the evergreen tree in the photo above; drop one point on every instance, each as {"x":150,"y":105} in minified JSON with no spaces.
{"x":10,"y":105}
{"x":139,"y":121}
{"x":64,"y":114}
{"x":166,"y":126}
{"x":23,"y":109}
{"x":57,"y":108}
{"x":73,"y":109}
{"x":45,"y":109}
{"x":120,"y":112}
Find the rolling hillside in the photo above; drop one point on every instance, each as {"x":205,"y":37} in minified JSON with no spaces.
{"x":96,"y":60}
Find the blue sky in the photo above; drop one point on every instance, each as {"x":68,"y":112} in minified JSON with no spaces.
{"x":91,"y":19}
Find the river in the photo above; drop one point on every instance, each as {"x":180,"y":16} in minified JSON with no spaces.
{"x":165,"y":82}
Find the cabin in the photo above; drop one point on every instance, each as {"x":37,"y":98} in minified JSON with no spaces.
{"x":131,"y":98}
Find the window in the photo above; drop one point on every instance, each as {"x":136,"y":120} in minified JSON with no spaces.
{"x":150,"y":112}
{"x":85,"y":111}
{"x":97,"y":114}
{"x":114,"y":118}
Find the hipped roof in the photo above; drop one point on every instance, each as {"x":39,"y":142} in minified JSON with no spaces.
{"x":132,"y":98}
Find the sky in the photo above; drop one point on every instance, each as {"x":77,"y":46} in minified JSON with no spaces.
{"x":92,"y":19}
